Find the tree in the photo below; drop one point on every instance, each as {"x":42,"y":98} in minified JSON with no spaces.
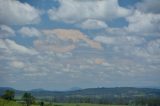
{"x":28,"y":98}
{"x":9,"y":95}
{"x":41,"y":103}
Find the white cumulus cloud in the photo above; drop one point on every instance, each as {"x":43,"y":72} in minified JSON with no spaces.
{"x":29,"y":31}
{"x":144,"y":23}
{"x":72,"y":36}
{"x":17,"y":13}
{"x":93,"y":24}
{"x":12,"y":47}
{"x":152,"y":6}
{"x":17,"y":64}
{"x":120,"y":40}
{"x":6,"y":31}
{"x":78,"y":10}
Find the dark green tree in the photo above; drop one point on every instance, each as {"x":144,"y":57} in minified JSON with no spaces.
{"x":42,"y":103}
{"x":9,"y":95}
{"x":28,"y":98}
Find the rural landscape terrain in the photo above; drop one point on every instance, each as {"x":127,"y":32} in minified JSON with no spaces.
{"x":119,"y":96}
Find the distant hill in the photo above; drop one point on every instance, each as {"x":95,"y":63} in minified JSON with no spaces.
{"x":75,"y":89}
{"x":93,"y":92}
{"x":6,"y":88}
{"x":3,"y":89}
{"x":38,"y":90}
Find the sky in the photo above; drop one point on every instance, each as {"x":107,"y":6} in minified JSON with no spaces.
{"x":60,"y":44}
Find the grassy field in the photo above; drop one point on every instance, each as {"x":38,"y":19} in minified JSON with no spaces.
{"x":13,"y":103}
{"x":82,"y":104}
{"x":9,"y":103}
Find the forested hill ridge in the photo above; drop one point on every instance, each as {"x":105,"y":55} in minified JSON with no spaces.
{"x":117,"y":95}
{"x":93,"y":92}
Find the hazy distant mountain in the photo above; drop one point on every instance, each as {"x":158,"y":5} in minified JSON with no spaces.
{"x":3,"y":89}
{"x":6,"y":88}
{"x":75,"y":89}
{"x":91,"y":92}
{"x":38,"y":90}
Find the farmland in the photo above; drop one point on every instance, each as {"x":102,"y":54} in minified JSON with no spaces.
{"x":14,"y":103}
{"x":122,"y":96}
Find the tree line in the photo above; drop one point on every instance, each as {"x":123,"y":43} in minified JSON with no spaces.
{"x":26,"y":97}
{"x":138,"y":101}
{"x":29,"y":99}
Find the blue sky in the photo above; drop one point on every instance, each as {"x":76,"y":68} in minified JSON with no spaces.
{"x":59,"y":44}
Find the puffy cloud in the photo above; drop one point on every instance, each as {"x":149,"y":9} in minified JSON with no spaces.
{"x":93,"y":24}
{"x":120,"y":40}
{"x":47,"y":47}
{"x":12,"y":47}
{"x":62,"y":49}
{"x":143,"y":23}
{"x":35,"y":74}
{"x":99,"y":61}
{"x":6,"y":31}
{"x":17,"y":64}
{"x":149,"y":6}
{"x":17,"y":13}
{"x":29,"y":31}
{"x":104,"y":39}
{"x":154,"y":47}
{"x":145,"y":18}
{"x":72,"y":35}
{"x":149,"y":52}
{"x":139,"y":24}
{"x":79,"y":10}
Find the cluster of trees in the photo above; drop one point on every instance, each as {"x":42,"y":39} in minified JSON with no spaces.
{"x":8,"y":95}
{"x":88,"y":99}
{"x":107,"y":100}
{"x":146,"y":102}
{"x":27,"y":97}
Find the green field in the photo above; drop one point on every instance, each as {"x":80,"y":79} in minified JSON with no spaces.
{"x":13,"y":103}
{"x":9,"y":103}
{"x":82,"y":104}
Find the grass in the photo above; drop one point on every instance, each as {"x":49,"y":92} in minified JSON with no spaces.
{"x":14,"y":103}
{"x":9,"y":103}
{"x":82,"y":104}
